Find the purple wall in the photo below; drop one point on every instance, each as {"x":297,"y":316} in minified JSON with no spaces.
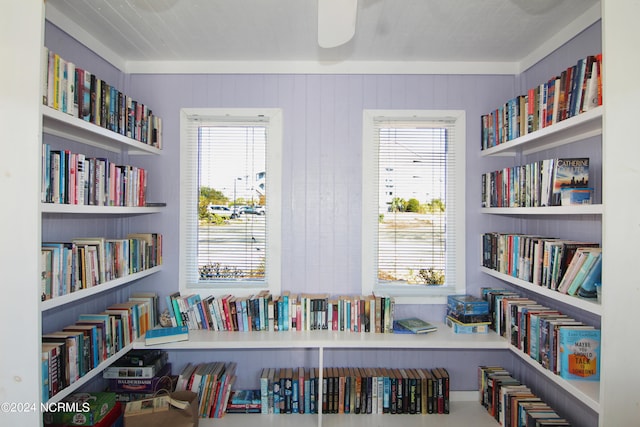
{"x":322,"y":117}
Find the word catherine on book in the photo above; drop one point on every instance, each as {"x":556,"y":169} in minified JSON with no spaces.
{"x":166,"y":335}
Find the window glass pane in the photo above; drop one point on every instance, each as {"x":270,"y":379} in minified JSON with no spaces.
{"x":232,"y":203}
{"x":413,"y":204}
{"x":412,"y":208}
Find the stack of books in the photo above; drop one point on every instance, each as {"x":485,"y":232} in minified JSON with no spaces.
{"x":139,"y":374}
{"x":467,"y":314}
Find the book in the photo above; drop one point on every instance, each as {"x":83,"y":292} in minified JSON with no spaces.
{"x":416,"y":325}
{"x":126,"y":371}
{"x":592,"y":256}
{"x":166,"y":335}
{"x":569,"y":173}
{"x":589,"y":286}
{"x":162,"y":380}
{"x":579,"y":356}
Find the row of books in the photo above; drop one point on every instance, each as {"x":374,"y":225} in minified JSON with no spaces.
{"x":212,"y":381}
{"x":576,"y":90}
{"x":82,"y":94}
{"x":544,"y":261}
{"x":354,"y":390}
{"x":512,"y":403}
{"x":295,"y":312}
{"x":539,"y":183}
{"x":83,"y":263}
{"x":73,"y":351}
{"x":559,"y":343}
{"x":75,"y":179}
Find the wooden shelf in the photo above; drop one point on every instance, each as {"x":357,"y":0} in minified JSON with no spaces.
{"x":60,"y":124}
{"x":571,"y":130}
{"x":588,"y":305}
{"x":103,"y":287}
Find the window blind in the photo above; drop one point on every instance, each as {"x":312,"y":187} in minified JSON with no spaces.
{"x":226,"y":202}
{"x":415,"y":175}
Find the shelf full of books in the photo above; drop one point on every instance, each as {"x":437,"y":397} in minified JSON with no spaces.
{"x":83,"y":267}
{"x":80,"y":351}
{"x":564,"y":350}
{"x":75,"y":179}
{"x":567,"y":105}
{"x":109,"y":114}
{"x":544,"y":183}
{"x":228,"y":322}
{"x":568,"y":271}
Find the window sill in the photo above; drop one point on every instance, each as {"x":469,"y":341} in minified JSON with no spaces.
{"x":412,"y":294}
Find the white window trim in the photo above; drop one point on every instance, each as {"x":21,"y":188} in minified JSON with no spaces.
{"x":273,"y":208}
{"x":409,"y":294}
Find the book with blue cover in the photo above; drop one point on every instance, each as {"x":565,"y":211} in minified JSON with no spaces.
{"x":166,"y":335}
{"x":579,"y":357}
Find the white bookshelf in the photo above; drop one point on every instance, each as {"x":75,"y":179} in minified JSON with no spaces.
{"x":573,"y":129}
{"x":587,"y":392}
{"x":443,"y":338}
{"x":58,"y":208}
{"x":587,"y":305}
{"x":89,"y":375}
{"x":66,"y":126}
{"x":93,"y":291}
{"x":463,"y":413}
{"x":594,"y":209}
{"x":73,"y":129}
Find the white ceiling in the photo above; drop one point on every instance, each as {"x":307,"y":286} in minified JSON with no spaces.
{"x":405,"y":35}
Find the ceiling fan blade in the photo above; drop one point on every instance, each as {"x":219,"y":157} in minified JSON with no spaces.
{"x":336,"y":22}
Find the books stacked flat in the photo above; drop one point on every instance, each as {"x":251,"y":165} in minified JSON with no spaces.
{"x":467,"y":314}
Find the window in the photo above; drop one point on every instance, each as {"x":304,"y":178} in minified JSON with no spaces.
{"x":230,"y":200}
{"x":413,"y":204}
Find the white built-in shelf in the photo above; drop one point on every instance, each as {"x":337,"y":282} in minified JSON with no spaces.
{"x":103,"y":287}
{"x":463,"y":413}
{"x":595,"y":209}
{"x":89,"y":375}
{"x":97,"y":210}
{"x":587,"y":392}
{"x":588,"y":305}
{"x":64,"y":125}
{"x":573,"y":129}
{"x":444,"y":338}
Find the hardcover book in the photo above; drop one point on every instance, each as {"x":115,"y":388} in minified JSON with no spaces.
{"x":416,"y":325}
{"x":166,"y":335}
{"x":579,"y":353}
